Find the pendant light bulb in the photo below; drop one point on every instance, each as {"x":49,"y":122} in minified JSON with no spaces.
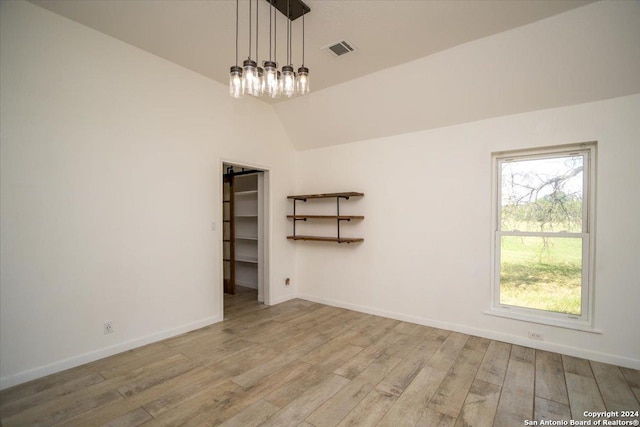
{"x":271,"y":79}
{"x":288,"y":81}
{"x":258,"y":82}
{"x":235,"y":82}
{"x":249,"y":77}
{"x":302,"y":81}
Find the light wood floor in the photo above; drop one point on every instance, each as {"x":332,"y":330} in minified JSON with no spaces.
{"x":306,"y":364}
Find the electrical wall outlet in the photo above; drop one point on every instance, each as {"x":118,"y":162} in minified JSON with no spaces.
{"x":108,"y":327}
{"x":535,"y":335}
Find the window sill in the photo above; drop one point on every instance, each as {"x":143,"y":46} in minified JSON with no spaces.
{"x":557,"y":322}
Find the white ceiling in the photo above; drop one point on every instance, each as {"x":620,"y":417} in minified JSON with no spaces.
{"x":200,"y":34}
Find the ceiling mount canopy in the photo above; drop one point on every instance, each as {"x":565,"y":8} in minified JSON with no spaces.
{"x":252,"y":79}
{"x":296,"y":10}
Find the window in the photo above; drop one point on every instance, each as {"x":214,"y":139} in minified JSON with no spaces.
{"x":543,"y":238}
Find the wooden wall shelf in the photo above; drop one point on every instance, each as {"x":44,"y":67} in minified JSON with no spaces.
{"x":326,"y":196}
{"x":338,"y":218}
{"x":327,"y":239}
{"x":343,"y":217}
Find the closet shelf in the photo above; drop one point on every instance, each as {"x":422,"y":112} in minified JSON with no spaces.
{"x":246,"y":260}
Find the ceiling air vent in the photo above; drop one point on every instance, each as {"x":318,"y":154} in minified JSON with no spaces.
{"x":340,"y":48}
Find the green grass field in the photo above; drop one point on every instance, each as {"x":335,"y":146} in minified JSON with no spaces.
{"x":533,"y":276}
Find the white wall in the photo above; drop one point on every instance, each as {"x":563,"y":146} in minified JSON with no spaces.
{"x":110,"y":179}
{"x":427,"y":228}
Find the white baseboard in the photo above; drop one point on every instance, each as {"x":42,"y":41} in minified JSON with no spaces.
{"x":72,"y":362}
{"x":498,"y":336}
{"x":275,"y":301}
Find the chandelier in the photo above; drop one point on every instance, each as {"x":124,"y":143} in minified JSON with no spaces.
{"x":251,"y":79}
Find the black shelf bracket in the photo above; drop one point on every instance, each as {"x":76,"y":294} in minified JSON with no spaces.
{"x":294,"y":215}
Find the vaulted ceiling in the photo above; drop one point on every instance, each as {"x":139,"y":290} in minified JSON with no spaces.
{"x":418,"y":65}
{"x":200,"y":35}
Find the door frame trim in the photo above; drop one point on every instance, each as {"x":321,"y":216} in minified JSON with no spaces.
{"x":264,"y":208}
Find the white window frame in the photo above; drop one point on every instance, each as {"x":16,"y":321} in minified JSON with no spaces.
{"x":585,"y":320}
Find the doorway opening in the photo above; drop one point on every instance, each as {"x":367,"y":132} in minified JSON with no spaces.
{"x":244,"y":238}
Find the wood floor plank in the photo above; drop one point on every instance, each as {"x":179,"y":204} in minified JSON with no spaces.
{"x":480,"y":406}
{"x":373,"y":331}
{"x":304,"y":341}
{"x":550,"y":377}
{"x":369,"y":411}
{"x":450,"y":396}
{"x":12,"y":407}
{"x":130,"y":419}
{"x":317,"y":318}
{"x":221,"y":372}
{"x":290,"y":390}
{"x":237,"y":402}
{"x":214,"y":399}
{"x":253,"y":415}
{"x":633,"y":379}
{"x":477,"y":343}
{"x":296,"y":411}
{"x":102,"y":393}
{"x":395,"y":343}
{"x":448,"y":352}
{"x":339,"y":405}
{"x":577,"y":366}
{"x":516,"y":399}
{"x":551,"y":411}
{"x":268,"y":366}
{"x":421,"y":332}
{"x":583,"y":396}
{"x":137,"y":362}
{"x":180,"y":364}
{"x":410,"y":406}
{"x":614,"y":388}
{"x":632,"y":376}
{"x":211,"y":332}
{"x":213,"y":353}
{"x":126,"y":357}
{"x":30,"y":388}
{"x":431,"y":418}
{"x":329,"y":357}
{"x":495,"y":362}
{"x":401,"y":376}
{"x":523,"y":354}
{"x":358,"y":363}
{"x":190,"y":383}
{"x":65,"y":407}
